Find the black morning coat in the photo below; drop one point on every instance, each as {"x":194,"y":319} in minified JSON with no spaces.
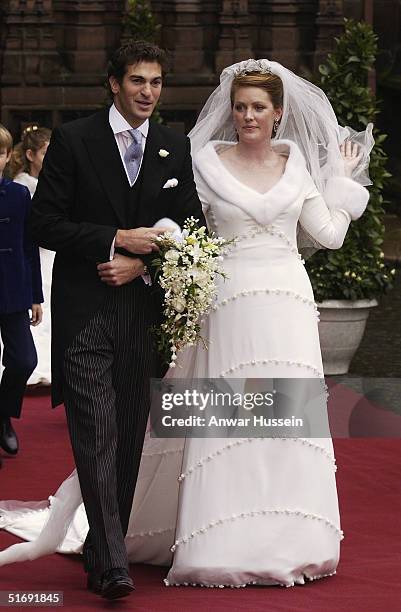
{"x":81,"y":201}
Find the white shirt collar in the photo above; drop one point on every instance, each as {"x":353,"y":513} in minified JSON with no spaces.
{"x":119,"y":124}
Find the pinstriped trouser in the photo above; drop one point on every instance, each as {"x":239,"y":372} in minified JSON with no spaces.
{"x":106,"y":395}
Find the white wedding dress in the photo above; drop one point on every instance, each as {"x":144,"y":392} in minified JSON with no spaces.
{"x":235,"y":511}
{"x":42,"y":333}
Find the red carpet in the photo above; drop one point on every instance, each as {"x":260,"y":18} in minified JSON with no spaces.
{"x":369,"y":574}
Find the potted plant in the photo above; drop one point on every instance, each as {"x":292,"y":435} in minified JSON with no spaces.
{"x":348,"y":282}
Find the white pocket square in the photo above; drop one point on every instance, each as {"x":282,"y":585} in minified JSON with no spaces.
{"x":170,"y":183}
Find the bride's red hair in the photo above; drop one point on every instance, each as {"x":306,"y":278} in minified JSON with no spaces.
{"x":271,"y":83}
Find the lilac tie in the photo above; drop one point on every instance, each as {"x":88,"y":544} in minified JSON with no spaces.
{"x":133,"y":155}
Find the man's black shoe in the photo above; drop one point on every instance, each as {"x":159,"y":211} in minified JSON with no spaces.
{"x":116,"y":583}
{"x":8,"y":437}
{"x":94,"y":582}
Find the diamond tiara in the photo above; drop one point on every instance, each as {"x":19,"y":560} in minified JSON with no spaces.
{"x":252,"y":65}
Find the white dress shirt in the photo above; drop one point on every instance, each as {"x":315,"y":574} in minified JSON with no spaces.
{"x":121,"y":128}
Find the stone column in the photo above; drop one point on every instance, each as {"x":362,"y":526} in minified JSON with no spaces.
{"x":189,"y":32}
{"x":234,"y":42}
{"x":329,"y":24}
{"x":369,"y":16}
{"x":354,"y":9}
{"x":183,"y":35}
{"x":29,"y":46}
{"x":87,"y":31}
{"x":284,"y":31}
{"x":29,"y":62}
{"x":54,"y":58}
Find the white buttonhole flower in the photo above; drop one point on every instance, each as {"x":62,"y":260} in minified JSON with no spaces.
{"x":164,"y":153}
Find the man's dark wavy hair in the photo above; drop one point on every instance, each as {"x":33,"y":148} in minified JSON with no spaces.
{"x":131,"y":53}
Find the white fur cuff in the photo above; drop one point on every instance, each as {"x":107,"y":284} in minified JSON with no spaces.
{"x":172,"y":225}
{"x":344,"y":193}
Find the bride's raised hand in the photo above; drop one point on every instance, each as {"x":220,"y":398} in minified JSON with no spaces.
{"x":351,"y":155}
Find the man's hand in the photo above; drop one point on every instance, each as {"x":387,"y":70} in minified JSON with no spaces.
{"x":37,"y":314}
{"x":141,"y":240}
{"x":121,"y":270}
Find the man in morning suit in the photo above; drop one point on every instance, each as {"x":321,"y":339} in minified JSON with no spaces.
{"x":99,"y":194}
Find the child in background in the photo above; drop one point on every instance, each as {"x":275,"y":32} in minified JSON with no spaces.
{"x":20,"y":291}
{"x":27,"y":157}
{"x":24,"y":167}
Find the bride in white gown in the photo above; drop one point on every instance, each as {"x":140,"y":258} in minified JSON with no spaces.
{"x":246,"y":510}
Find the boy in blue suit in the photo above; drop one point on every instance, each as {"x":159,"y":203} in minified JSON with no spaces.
{"x":20,"y":290}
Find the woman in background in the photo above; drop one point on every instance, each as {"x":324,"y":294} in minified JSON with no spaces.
{"x":24,"y":168}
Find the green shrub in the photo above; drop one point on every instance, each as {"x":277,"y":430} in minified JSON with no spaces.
{"x":139,"y":22}
{"x":357,"y":270}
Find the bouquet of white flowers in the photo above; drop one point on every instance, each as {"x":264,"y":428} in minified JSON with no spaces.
{"x":186,"y":270}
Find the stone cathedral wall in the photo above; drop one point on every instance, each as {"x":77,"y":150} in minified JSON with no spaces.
{"x":53,"y":52}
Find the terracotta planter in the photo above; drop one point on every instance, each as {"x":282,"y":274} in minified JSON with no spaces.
{"x":341,"y":327}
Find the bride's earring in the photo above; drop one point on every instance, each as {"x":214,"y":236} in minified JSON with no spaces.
{"x":275,"y":126}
